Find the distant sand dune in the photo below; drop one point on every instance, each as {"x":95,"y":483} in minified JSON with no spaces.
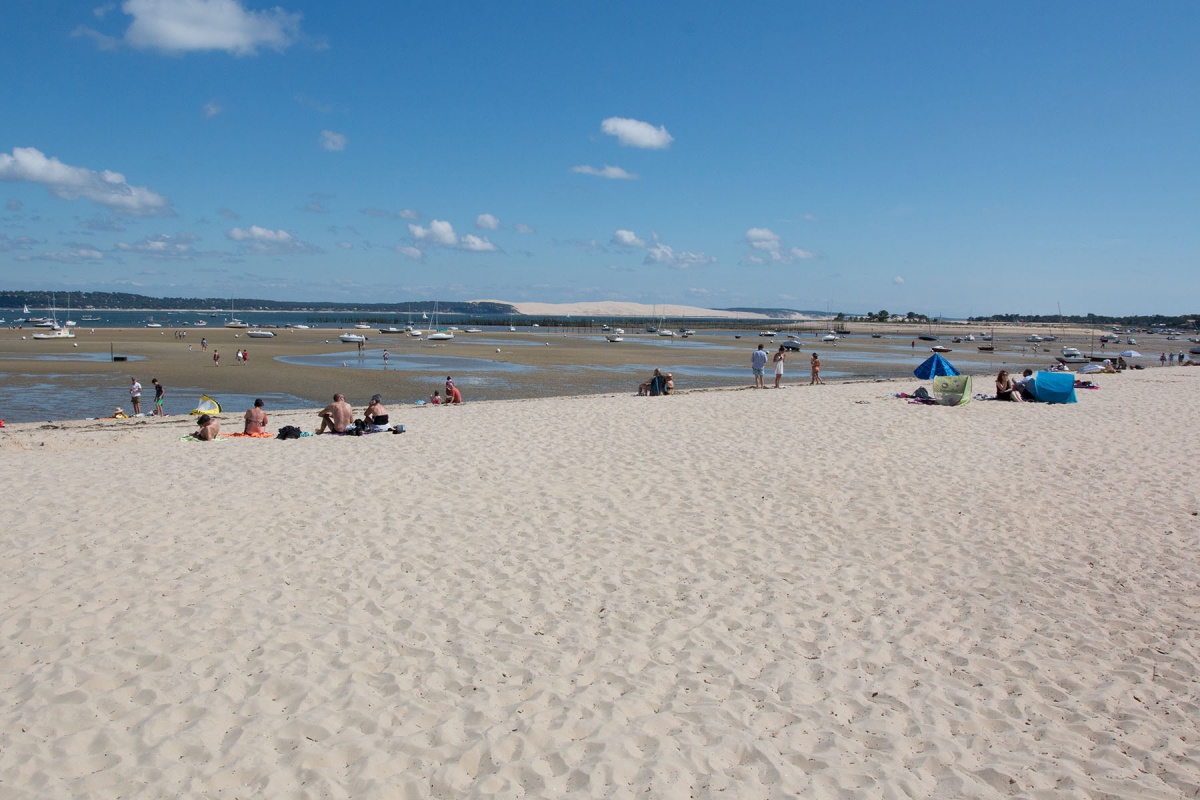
{"x":612,"y":308}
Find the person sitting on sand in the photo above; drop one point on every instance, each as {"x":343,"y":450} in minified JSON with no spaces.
{"x":256,"y":418}
{"x":1107,"y":367}
{"x":435,"y":398}
{"x":453,"y":395}
{"x":337,"y":416}
{"x":376,"y":414}
{"x":654,"y":386}
{"x":1006,"y":389}
{"x":1121,"y":363}
{"x":1025,"y":385}
{"x":207,"y":428}
{"x":669,"y":386}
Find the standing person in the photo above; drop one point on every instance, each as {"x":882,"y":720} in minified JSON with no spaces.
{"x":159,"y":391}
{"x":1162,"y":359}
{"x":245,"y":356}
{"x":758,"y":362}
{"x":216,"y":357}
{"x":135,"y":396}
{"x":203,"y":343}
{"x":385,"y":359}
{"x":815,"y":363}
{"x":256,"y":418}
{"x":778,"y":359}
{"x":237,"y":354}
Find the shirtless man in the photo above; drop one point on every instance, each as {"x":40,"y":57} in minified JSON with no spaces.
{"x":336,"y":416}
{"x":256,"y":418}
{"x":208,"y":428}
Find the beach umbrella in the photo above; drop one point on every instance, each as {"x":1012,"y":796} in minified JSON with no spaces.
{"x":1088,"y":369}
{"x":933,"y":366}
{"x":1131,"y":354}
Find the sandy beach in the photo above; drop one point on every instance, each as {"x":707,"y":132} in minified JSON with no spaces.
{"x":815,"y":592}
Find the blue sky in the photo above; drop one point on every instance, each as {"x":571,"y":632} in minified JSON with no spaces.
{"x":941,"y":157}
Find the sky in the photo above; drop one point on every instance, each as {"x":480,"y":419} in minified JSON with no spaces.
{"x":940,"y":157}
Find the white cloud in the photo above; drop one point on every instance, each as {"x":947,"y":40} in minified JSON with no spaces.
{"x":346,"y":245}
{"x":442,"y":233}
{"x":106,"y":188}
{"x":211,"y":109}
{"x":333,"y":142}
{"x":765,"y":240}
{"x":264,"y":241}
{"x":180,"y":26}
{"x":660,"y":253}
{"x":899,"y":279}
{"x":162,"y":246}
{"x":438,"y":232}
{"x":625,"y":238}
{"x":521,"y":227}
{"x":614,"y":173}
{"x":404,"y":213}
{"x":19,"y":243}
{"x":72,"y":256}
{"x":635,"y":133}
{"x":487,"y":222}
{"x":410,"y":252}
{"x":477,"y":244}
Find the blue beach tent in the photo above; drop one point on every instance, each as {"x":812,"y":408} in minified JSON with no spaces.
{"x":933,"y":366}
{"x":1054,"y":387}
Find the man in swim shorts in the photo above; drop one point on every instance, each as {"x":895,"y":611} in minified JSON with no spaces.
{"x":135,"y":396}
{"x":159,"y":391}
{"x":337,"y":416}
{"x":758,"y":362}
{"x":256,"y":418}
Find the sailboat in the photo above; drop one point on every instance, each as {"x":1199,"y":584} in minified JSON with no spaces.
{"x":55,"y":331}
{"x":438,"y":335}
{"x":234,"y":322}
{"x":988,"y":347}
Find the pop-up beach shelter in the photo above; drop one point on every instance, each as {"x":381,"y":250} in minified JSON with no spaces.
{"x":207,"y":406}
{"x":933,"y":366}
{"x":949,"y":388}
{"x":1054,"y":387}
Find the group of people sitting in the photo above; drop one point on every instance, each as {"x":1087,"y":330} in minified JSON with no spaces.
{"x":338,"y":417}
{"x":453,"y":395}
{"x":659,"y":384}
{"x":209,"y":427}
{"x":1019,"y":390}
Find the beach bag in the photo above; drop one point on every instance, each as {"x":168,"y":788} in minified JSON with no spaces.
{"x":288,"y":432}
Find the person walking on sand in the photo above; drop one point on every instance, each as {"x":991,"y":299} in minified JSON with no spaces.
{"x":245,"y":356}
{"x":237,"y":355}
{"x":203,"y":343}
{"x":135,"y":396}
{"x":216,"y":358}
{"x":815,"y":363}
{"x":778,"y":359}
{"x":758,"y":362}
{"x":159,"y":391}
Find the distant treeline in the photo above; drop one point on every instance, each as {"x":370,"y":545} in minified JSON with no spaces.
{"x":1136,"y":321}
{"x":122,"y":301}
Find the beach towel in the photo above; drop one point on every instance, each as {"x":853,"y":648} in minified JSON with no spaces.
{"x":191,"y":438}
{"x":263,"y":435}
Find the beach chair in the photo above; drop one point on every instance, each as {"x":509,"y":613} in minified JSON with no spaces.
{"x":952,"y":390}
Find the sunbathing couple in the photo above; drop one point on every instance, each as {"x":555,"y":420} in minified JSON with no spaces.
{"x":338,"y":416}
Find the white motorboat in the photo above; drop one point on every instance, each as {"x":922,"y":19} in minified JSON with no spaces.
{"x":200,"y":324}
{"x":768,"y":334}
{"x":352,"y":338}
{"x":666,"y":333}
{"x":362,"y":326}
{"x":153,"y":324}
{"x":234,"y":323}
{"x":57,"y":333}
{"x":439,"y":336}
{"x":392,"y":330}
{"x":1071,"y":355}
{"x":300,"y":327}
{"x":614,"y":337}
{"x":1033,"y":337}
{"x":474,"y":330}
{"x":940,"y":348}
{"x":829,"y":337}
{"x":259,"y":333}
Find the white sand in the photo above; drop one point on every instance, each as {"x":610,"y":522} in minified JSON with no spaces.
{"x":815,"y":592}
